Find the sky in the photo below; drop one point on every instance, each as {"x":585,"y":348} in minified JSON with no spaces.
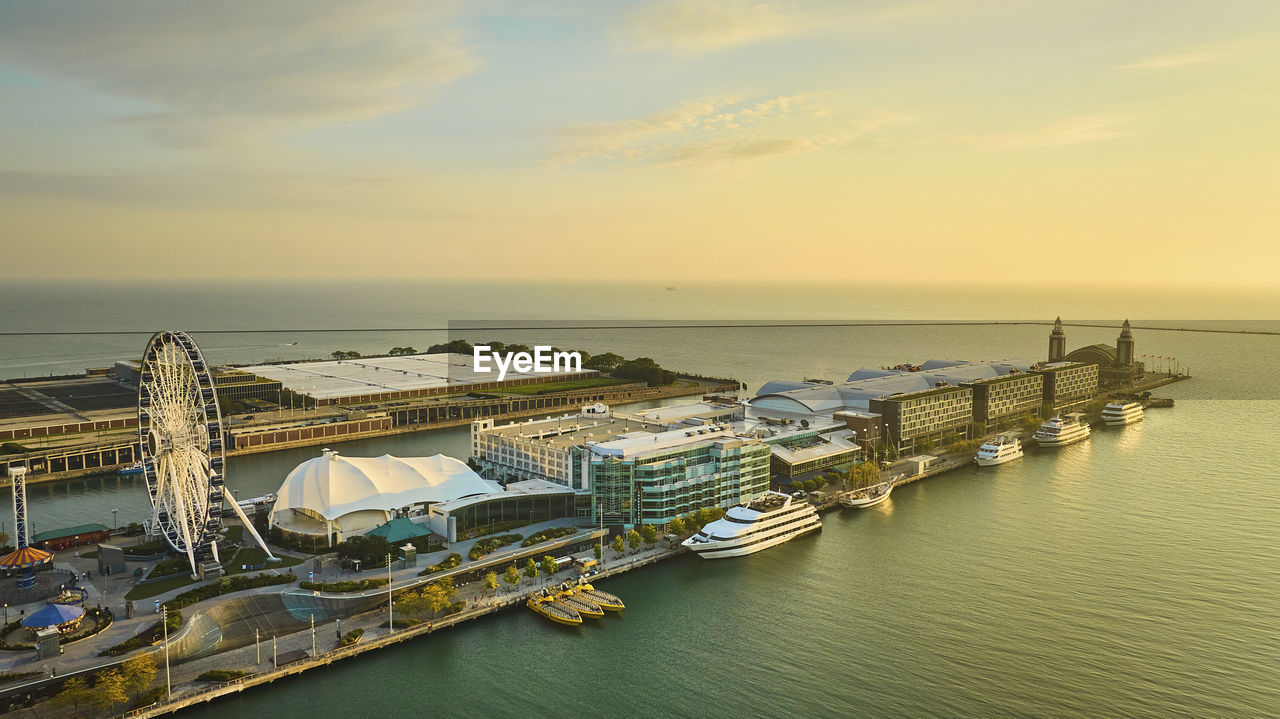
{"x":1019,"y":142}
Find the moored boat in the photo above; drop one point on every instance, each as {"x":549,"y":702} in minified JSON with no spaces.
{"x":557,"y":612}
{"x":1064,"y":430}
{"x":1122,"y":413}
{"x":868,"y":497}
{"x":135,"y":468}
{"x":998,"y":451}
{"x":606,"y":600}
{"x":770,"y":520}
{"x":580,"y":604}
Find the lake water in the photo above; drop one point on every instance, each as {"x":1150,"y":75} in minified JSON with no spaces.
{"x":1131,"y":575}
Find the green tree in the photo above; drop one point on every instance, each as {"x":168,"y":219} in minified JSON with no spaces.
{"x":138,"y":673}
{"x":606,"y":361}
{"x":108,"y":690}
{"x":676,"y":526}
{"x":75,"y":693}
{"x":634,"y":539}
{"x":396,"y":351}
{"x":531,"y":568}
{"x":491,"y":581}
{"x":595,"y":548}
{"x":649,"y":533}
{"x":617,"y":543}
{"x":4,"y":539}
{"x":511,"y":576}
{"x":432,"y":597}
{"x":548,"y":565}
{"x":864,"y":475}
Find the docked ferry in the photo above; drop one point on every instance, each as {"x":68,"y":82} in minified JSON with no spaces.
{"x":1122,"y":413}
{"x":131,"y":470}
{"x":998,"y":451}
{"x":769,"y":520}
{"x":1060,"y":431}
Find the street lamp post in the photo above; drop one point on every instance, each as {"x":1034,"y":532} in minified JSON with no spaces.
{"x":164,"y":620}
{"x":114,"y":524}
{"x":257,"y":645}
{"x":391,"y":625}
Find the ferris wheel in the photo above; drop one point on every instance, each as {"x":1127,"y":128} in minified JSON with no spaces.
{"x":180,"y":433}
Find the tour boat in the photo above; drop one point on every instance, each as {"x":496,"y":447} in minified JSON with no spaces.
{"x":763,"y":523}
{"x":603,"y":598}
{"x":998,"y":451}
{"x":868,"y":497}
{"x":1122,"y":413}
{"x":1061,"y":431}
{"x":556,"y":611}
{"x":580,"y":604}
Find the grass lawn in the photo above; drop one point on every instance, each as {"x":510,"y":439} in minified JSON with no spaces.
{"x":249,"y":556}
{"x":151,"y":589}
{"x":561,"y":386}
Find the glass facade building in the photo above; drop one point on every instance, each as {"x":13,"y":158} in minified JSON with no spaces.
{"x":658,"y":486}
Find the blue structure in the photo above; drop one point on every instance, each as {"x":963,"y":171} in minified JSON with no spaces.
{"x":63,"y":616}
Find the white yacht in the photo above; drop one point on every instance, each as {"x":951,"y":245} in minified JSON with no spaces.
{"x":1121,"y":413}
{"x":998,"y":451}
{"x":1059,"y":431}
{"x":769,"y":520}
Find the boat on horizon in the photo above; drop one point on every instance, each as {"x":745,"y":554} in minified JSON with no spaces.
{"x":998,"y":451}
{"x":748,"y":528}
{"x":868,"y":496}
{"x":1118,"y":414}
{"x":1060,"y":431}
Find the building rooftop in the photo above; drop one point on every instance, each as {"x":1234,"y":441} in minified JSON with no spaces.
{"x":867,"y":384}
{"x":639,"y":443}
{"x":572,"y":430}
{"x":333,"y":379}
{"x":526,"y":488}
{"x":68,"y":532}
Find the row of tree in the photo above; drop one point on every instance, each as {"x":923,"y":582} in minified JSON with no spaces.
{"x":110,"y":688}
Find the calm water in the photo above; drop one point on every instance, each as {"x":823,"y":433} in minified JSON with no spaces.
{"x":1133,"y":575}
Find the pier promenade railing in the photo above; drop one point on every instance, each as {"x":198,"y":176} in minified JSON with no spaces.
{"x":393,"y":636}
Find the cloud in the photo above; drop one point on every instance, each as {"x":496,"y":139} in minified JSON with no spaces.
{"x":1176,"y":59}
{"x":696,"y":26}
{"x":200,"y":187}
{"x":701,"y":26}
{"x":227,"y":72}
{"x":721,"y":131}
{"x":1073,"y":132}
{"x":1068,"y":132}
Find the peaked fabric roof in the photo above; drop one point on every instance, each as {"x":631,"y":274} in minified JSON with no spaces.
{"x":25,"y":557}
{"x":53,"y":615}
{"x":399,"y":530}
{"x":332,"y":485}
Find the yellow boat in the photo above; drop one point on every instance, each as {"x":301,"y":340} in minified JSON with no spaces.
{"x":557,"y":612}
{"x":603,"y":598}
{"x":582,"y":605}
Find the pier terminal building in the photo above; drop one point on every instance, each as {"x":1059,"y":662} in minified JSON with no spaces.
{"x":650,"y":467}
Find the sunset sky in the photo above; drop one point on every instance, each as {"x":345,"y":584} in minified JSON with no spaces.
{"x":960,"y":140}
